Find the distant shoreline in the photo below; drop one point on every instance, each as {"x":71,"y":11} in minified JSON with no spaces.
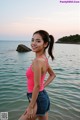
{"x":67,"y":43}
{"x":72,"y":39}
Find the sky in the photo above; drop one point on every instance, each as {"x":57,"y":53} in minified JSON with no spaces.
{"x":19,"y":19}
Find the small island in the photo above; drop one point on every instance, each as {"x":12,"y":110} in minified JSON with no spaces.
{"x":72,"y":39}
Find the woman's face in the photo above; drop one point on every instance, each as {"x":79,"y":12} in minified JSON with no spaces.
{"x":37,"y":43}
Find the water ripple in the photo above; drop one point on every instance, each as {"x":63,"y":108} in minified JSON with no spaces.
{"x":64,"y":91}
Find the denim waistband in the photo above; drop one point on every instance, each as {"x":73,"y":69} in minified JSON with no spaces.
{"x":39,"y":92}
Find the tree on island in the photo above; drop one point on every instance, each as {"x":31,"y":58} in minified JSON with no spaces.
{"x":72,"y":39}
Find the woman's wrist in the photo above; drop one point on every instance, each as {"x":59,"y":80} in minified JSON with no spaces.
{"x":31,"y":106}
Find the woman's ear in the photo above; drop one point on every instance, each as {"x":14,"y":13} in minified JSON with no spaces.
{"x":45,"y":45}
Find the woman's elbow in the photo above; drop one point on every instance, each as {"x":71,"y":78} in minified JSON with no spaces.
{"x":53,"y":75}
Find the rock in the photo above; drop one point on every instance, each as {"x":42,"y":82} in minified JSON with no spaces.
{"x":72,"y":39}
{"x":23,"y":48}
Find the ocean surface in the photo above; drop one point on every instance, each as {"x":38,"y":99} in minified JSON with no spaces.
{"x":64,"y":91}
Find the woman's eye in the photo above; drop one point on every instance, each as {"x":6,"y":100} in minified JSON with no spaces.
{"x":32,"y":40}
{"x":38,"y":41}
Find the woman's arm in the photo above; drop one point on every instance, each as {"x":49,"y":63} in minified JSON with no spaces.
{"x":37,"y":78}
{"x":52,"y":75}
{"x":32,"y":108}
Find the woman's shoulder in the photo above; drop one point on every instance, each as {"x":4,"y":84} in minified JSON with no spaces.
{"x":38,"y":62}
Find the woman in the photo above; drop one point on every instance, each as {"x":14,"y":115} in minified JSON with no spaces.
{"x":39,"y":102}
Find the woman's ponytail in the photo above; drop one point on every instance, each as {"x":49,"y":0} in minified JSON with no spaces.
{"x":50,"y":47}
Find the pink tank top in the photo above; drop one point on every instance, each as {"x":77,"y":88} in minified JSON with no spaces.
{"x":30,"y":79}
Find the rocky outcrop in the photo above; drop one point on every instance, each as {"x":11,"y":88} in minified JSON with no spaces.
{"x":23,"y":48}
{"x":72,"y":39}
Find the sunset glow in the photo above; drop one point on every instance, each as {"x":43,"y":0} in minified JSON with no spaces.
{"x":19,"y":19}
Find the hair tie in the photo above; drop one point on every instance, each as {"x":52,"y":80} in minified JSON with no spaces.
{"x":49,"y":38}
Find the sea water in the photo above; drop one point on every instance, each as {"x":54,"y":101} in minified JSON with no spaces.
{"x":64,"y":91}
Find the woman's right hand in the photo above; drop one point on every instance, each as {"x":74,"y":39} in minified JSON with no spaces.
{"x":26,"y":115}
{"x":31,"y":112}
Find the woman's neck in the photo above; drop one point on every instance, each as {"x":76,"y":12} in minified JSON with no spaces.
{"x":40,"y":54}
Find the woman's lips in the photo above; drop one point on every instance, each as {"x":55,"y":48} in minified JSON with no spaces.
{"x":34,"y":47}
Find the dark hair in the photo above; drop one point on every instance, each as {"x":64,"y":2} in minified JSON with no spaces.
{"x":47,"y":38}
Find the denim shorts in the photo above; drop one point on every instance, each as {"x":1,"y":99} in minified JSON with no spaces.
{"x":43,"y":102}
